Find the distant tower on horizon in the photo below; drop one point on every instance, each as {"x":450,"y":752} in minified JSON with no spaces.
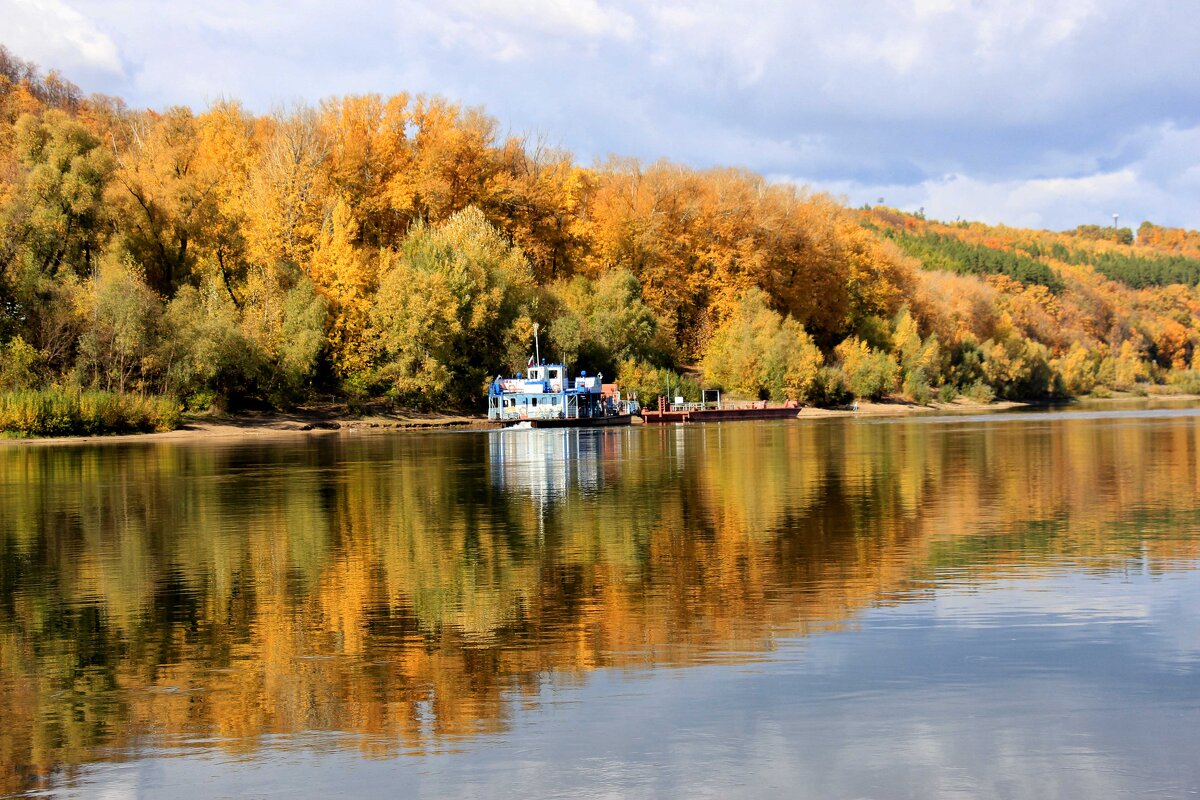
{"x":1115,"y":218}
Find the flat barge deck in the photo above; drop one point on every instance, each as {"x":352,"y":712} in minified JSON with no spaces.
{"x":667,"y":415}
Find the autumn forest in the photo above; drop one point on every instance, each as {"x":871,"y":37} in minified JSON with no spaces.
{"x":403,"y":248}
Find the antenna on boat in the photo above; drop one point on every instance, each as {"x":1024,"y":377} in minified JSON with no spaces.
{"x":537,"y":349}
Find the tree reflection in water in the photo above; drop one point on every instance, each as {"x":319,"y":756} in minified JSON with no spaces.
{"x":406,"y":590}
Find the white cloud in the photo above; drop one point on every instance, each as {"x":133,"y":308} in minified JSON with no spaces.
{"x":505,"y":31}
{"x":1161,"y":185}
{"x":580,"y":19}
{"x":1056,"y":203}
{"x":1019,"y":110}
{"x":1002,"y":28}
{"x":54,"y":34}
{"x":1037,"y":202}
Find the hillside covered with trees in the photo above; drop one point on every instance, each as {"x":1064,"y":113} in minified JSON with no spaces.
{"x":401,"y":247}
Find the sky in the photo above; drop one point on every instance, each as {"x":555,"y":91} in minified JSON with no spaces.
{"x":1041,"y":113}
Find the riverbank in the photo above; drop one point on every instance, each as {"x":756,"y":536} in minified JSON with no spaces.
{"x":898,"y":408}
{"x":334,"y":420}
{"x":270,"y":425}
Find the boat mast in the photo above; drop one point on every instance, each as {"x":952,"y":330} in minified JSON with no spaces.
{"x":536,"y":347}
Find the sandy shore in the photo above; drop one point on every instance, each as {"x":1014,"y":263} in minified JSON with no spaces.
{"x":899,"y":408}
{"x":271,"y":426}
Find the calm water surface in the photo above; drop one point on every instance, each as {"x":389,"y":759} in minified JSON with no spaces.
{"x":1001,"y":606}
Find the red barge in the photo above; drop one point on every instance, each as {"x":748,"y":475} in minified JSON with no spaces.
{"x":716,"y":411}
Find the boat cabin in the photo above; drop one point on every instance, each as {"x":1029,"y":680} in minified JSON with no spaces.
{"x":546,"y":392}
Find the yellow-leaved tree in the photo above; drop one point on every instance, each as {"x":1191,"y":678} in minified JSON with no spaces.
{"x":345,"y":275}
{"x":869,"y":373}
{"x":758,"y":353}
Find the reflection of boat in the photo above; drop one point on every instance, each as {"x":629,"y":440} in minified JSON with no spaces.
{"x":544,"y":464}
{"x":546,"y":398}
{"x":713,"y":409}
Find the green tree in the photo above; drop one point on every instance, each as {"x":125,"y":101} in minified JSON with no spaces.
{"x":920,"y":359}
{"x":120,"y":329}
{"x":605,"y":322}
{"x":870,"y":373}
{"x":18,"y":365}
{"x":648,"y":382}
{"x":57,"y":218}
{"x":450,"y":310}
{"x":206,"y":358}
{"x":1019,"y":368}
{"x":758,"y":353}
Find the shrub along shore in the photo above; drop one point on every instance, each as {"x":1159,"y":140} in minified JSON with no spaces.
{"x":59,"y":412}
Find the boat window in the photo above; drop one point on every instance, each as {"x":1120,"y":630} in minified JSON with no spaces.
{"x":553,"y":374}
{"x":533,"y":401}
{"x":553,"y":401}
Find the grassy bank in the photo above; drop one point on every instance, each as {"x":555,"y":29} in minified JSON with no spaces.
{"x":59,"y":412}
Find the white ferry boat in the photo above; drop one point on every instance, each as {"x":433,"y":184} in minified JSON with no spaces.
{"x":545,"y":397}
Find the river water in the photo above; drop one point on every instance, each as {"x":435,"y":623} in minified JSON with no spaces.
{"x":993,"y":606}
